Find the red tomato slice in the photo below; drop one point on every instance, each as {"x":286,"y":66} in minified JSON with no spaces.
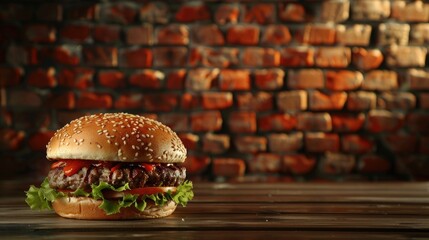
{"x":58,"y":164}
{"x":73,"y":166}
{"x":148,"y":167}
{"x":116,"y":167}
{"x":138,"y":191}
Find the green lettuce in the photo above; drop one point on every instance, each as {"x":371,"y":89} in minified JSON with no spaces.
{"x":42,"y":198}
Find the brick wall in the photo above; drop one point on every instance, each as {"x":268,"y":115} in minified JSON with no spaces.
{"x":305,"y":90}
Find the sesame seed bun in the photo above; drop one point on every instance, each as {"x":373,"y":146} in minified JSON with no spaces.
{"x":116,"y":137}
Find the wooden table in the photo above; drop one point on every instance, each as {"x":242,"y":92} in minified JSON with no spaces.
{"x":249,"y":211}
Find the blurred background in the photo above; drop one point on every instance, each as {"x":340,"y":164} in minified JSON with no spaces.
{"x":334,"y":90}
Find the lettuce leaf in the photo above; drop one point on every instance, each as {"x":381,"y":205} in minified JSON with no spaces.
{"x":41,"y":198}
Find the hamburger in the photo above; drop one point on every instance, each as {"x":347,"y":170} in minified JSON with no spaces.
{"x":113,"y":166}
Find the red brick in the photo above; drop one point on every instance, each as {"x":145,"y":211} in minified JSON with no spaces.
{"x":281,"y":142}
{"x":19,"y":55}
{"x":401,"y":143}
{"x":148,"y":79}
{"x":10,"y":76}
{"x":301,"y":56}
{"x":90,"y":100}
{"x":361,"y":100}
{"x":277,"y":122}
{"x":406,"y":56}
{"x":242,"y":122}
{"x":11,"y":140}
{"x":190,"y":101}
{"x":227,"y":13}
{"x":201,"y":79}
{"x":243,"y":35}
{"x":42,"y":78}
{"x":418,"y":122}
{"x":192,"y":12}
{"x":393,"y":33}
{"x":327,"y":100}
{"x":216,"y":100}
{"x":335,"y":11}
{"x":136,"y":58}
{"x":49,"y":12}
{"x":176,"y":79}
{"x":309,"y":121}
{"x":111,"y":79}
{"x":250,"y":144}
{"x":397,"y":100}
{"x":190,"y":141}
{"x":39,"y":140}
{"x":6,"y":118}
{"x":211,"y":57}
{"x":154,"y":12}
{"x":292,"y":100}
{"x":13,"y":11}
{"x":298,"y":164}
{"x":77,"y":33}
{"x":64,"y":55}
{"x":65,"y":117}
{"x":228,"y":167}
{"x":259,"y":101}
{"x":338,"y":163}
{"x":353,"y":143}
{"x":129,"y":101}
{"x":265,"y":163}
{"x":419,"y":34}
{"x":417,"y":11}
{"x":195,"y":165}
{"x":162,"y":102}
{"x":80,"y":78}
{"x":418,"y":79}
{"x":293,"y":12}
{"x":373,"y":164}
{"x":174,"y":34}
{"x":261,"y":13}
{"x":335,"y":57}
{"x":354,"y":35}
{"x":207,"y":35}
{"x":318,"y":34}
{"x":322,"y":142}
{"x":265,"y":57}
{"x":119,"y":12}
{"x":170,"y":56}
{"x":23,"y":99}
{"x":276,"y":35}
{"x":347,"y":122}
{"x":424,"y":145}
{"x":423,"y":100}
{"x":40,"y":33}
{"x":216,"y":143}
{"x":343,"y":80}
{"x":62,"y":101}
{"x":384,"y":121}
{"x":40,"y":119}
{"x":100,"y":56}
{"x":207,"y":121}
{"x":230,"y":79}
{"x":367,"y":59}
{"x":178,"y":122}
{"x":368,"y":10}
{"x":106,"y":33}
{"x":306,"y":78}
{"x":141,"y":34}
{"x":269,"y":79}
{"x":82,"y":11}
{"x":382,"y":80}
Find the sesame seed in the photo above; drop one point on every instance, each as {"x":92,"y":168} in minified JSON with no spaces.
{"x":116,"y":144}
{"x":136,"y":154}
{"x":133,"y":147}
{"x":98,"y":145}
{"x":108,"y":140}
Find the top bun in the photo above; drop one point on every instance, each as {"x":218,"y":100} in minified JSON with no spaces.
{"x":116,"y":137}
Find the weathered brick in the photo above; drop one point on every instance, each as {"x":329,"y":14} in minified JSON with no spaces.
{"x":207,"y":121}
{"x":10,"y":33}
{"x":40,"y":33}
{"x":139,"y":35}
{"x":306,"y":78}
{"x":419,"y":34}
{"x":10,"y":76}
{"x":335,"y":57}
{"x":77,"y":33}
{"x":135,"y":57}
{"x":190,"y":141}
{"x":361,"y":100}
{"x":11,"y":140}
{"x":230,"y":79}
{"x":250,"y":144}
{"x":83,"y":11}
{"x":90,"y":100}
{"x":192,"y":12}
{"x":6,"y":118}
{"x":111,"y":79}
{"x":65,"y":54}
{"x":49,"y":12}
{"x":62,"y":100}
{"x":384,"y":121}
{"x":343,"y":80}
{"x":393,"y":33}
{"x":418,"y":122}
{"x":201,"y":78}
{"x":80,"y":78}
{"x":176,"y":79}
{"x":173,"y":34}
{"x":42,"y":78}
{"x":297,"y":56}
{"x":276,"y":35}
{"x":424,"y":100}
{"x":327,"y":100}
{"x":129,"y":101}
{"x":19,"y":55}
{"x":309,"y":121}
{"x":381,"y":80}
{"x":292,"y":100}
{"x":406,"y":56}
{"x":148,"y":79}
{"x":366,"y":59}
{"x":162,"y":102}
{"x":401,"y":143}
{"x":293,"y":12}
{"x":335,"y":11}
{"x":207,"y":35}
{"x":261,"y":13}
{"x":216,"y":100}
{"x":243,"y":35}
{"x":347,"y":122}
{"x":298,"y":164}
{"x":242,"y":122}
{"x":424,"y":145}
{"x":178,"y":122}
{"x":398,"y":100}
{"x":213,"y":57}
{"x":106,"y":33}
{"x":265,"y":163}
{"x":265,"y":57}
{"x":281,"y":142}
{"x":370,"y":10}
{"x":412,"y":166}
{"x":100,"y":56}
{"x":259,"y":101}
{"x":170,"y":56}
{"x":322,"y":142}
{"x":354,"y":35}
{"x":196,"y":164}
{"x":118,"y":12}
{"x":277,"y":122}
{"x":418,"y":79}
{"x":227,"y":13}
{"x":337,"y":163}
{"x":416,"y":11}
{"x":190,"y":101}
{"x":154,"y":12}
{"x":40,"y":119}
{"x":23,"y":99}
{"x":269,"y":79}
{"x":318,"y":34}
{"x":39,"y":140}
{"x":354,"y":143}
{"x":216,"y":143}
{"x":373,"y":164}
{"x":65,"y":117}
{"x":228,"y":167}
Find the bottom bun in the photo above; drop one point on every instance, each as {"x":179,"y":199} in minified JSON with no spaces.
{"x":87,"y":208}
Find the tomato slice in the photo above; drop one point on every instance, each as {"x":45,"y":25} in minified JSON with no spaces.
{"x":58,"y":164}
{"x":138,"y":191}
{"x":73,"y":166}
{"x":148,"y":167}
{"x":116,"y":167}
